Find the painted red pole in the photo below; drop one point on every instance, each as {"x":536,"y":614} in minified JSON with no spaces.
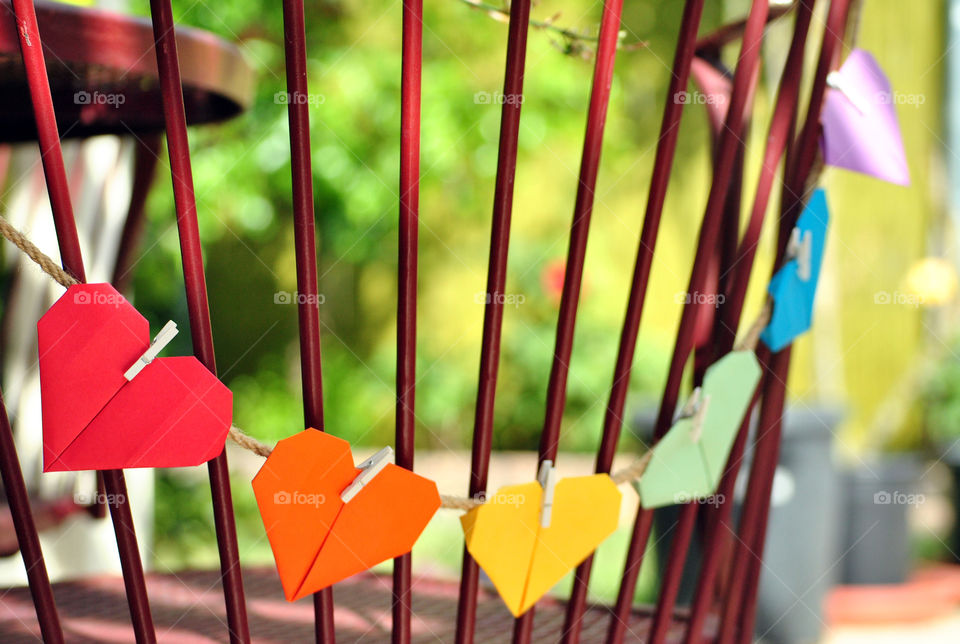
{"x":69,"y":242}
{"x":27,"y":538}
{"x":663,"y":162}
{"x":410,"y":93}
{"x":145,"y":157}
{"x":794,"y":199}
{"x":741,"y":97}
{"x":305,"y":248}
{"x":493,"y":309}
{"x":201,"y":333}
{"x":799,"y":167}
{"x":579,"y":230}
{"x":743,"y":85}
{"x":718,"y":533}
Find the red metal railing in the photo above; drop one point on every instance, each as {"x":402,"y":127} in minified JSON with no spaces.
{"x":717,"y":240}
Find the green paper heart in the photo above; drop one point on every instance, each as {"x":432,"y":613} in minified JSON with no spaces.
{"x":687,"y":464}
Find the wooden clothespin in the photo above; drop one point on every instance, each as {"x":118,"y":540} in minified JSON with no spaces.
{"x":163,"y":338}
{"x":371,"y":467}
{"x":800,"y":248}
{"x":547,"y":478}
{"x":836,"y":81}
{"x":696,"y":409}
{"x":690,"y":407}
{"x":699,"y":415}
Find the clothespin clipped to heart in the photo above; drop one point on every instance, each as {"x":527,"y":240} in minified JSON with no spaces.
{"x":369,"y":469}
{"x":547,"y":477}
{"x":859,"y":119}
{"x":836,"y":81}
{"x":800,"y":247}
{"x":794,"y":286}
{"x":527,"y":537}
{"x":109,"y":402}
{"x":163,"y":338}
{"x":327,"y":519}
{"x":689,"y":460}
{"x":696,"y":411}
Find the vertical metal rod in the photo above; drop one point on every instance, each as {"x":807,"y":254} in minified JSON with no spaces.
{"x":718,"y":535}
{"x":27,"y":538}
{"x":68,"y":240}
{"x":797,"y":174}
{"x":683,"y":533}
{"x":663,"y":162}
{"x":178,"y":147}
{"x":579,"y":230}
{"x":496,"y":282}
{"x":800,"y":184}
{"x":781,"y":124}
{"x":145,"y":157}
{"x":771,"y":415}
{"x":305,"y":246}
{"x":741,"y":97}
{"x":412,"y":61}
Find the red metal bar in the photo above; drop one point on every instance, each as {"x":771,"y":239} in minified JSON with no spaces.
{"x":144,"y":165}
{"x":771,"y":415}
{"x":743,"y":85}
{"x":305,"y":245}
{"x":728,"y":149}
{"x":718,"y":533}
{"x":752,"y":522}
{"x":68,"y":240}
{"x":496,"y":282}
{"x":807,"y":150}
{"x":412,"y":60}
{"x":781,"y":122}
{"x":146,"y":155}
{"x":784,"y":114}
{"x":766,"y":449}
{"x":26,"y":530}
{"x":579,"y":230}
{"x":48,"y":137}
{"x":196,"y":291}
{"x":663,"y":162}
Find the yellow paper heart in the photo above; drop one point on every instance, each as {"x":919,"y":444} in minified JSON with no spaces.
{"x":525,"y":560}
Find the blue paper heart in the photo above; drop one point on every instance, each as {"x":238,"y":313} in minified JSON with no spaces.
{"x":792,"y":295}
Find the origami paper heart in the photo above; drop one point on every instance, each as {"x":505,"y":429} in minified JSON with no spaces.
{"x":860,"y":129}
{"x":793,"y":290}
{"x":317,"y":539}
{"x":688,"y":461}
{"x":173,"y":413}
{"x":525,"y":560}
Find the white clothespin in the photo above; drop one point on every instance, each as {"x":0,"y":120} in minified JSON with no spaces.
{"x":690,"y":407}
{"x":548,"y":481}
{"x":371,"y":467}
{"x":835,"y":80}
{"x":801,"y":248}
{"x":699,"y":415}
{"x":696,"y":409}
{"x":163,"y":338}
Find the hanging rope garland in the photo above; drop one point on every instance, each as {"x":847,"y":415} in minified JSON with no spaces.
{"x":628,"y":474}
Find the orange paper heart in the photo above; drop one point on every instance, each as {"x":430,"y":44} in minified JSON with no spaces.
{"x":317,"y":539}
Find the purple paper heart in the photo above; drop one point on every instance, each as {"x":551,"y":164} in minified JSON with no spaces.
{"x":860,"y":129}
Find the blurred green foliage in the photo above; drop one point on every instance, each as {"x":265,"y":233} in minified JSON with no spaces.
{"x":941,"y":400}
{"x":242,"y":176}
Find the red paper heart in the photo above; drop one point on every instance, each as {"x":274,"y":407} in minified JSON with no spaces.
{"x":173,"y":413}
